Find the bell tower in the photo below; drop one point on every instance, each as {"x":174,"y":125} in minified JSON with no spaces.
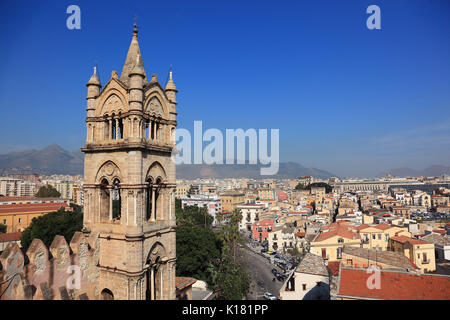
{"x":130,"y":181}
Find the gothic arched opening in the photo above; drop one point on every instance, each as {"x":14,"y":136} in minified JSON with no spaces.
{"x":107,"y":294}
{"x":156,"y":272}
{"x":152,"y":282}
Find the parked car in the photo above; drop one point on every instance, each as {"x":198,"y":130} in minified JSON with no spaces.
{"x":263,"y":250}
{"x":274,"y":271}
{"x":272,"y":252}
{"x":281,"y":265}
{"x":281,"y":277}
{"x":269,"y":296}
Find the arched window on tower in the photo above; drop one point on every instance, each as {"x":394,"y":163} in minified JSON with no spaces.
{"x":149,"y":198}
{"x":116,"y":200}
{"x":104,"y":200}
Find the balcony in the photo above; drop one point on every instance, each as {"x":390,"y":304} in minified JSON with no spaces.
{"x":425,"y":261}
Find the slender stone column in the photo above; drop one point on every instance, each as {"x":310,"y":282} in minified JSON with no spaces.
{"x":161,"y":282}
{"x":117,"y":129}
{"x":152,"y":283}
{"x":153,"y":203}
{"x":110,"y":203}
{"x":110,"y":130}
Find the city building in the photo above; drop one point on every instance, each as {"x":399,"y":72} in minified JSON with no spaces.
{"x":229,"y":200}
{"x":261,"y":229}
{"x":376,"y":236}
{"x":307,"y":276}
{"x":364,"y":258}
{"x":441,"y":245}
{"x":250,"y":214}
{"x":330,"y":241}
{"x":210,"y":202}
{"x":418,"y":251}
{"x":182,"y":191}
{"x":17,"y":217}
{"x":65,"y":189}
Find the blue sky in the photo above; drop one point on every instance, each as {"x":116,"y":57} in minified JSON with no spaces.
{"x":346,"y":99}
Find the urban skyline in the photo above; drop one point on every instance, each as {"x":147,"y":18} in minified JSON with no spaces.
{"x":283,"y":188}
{"x":349,"y":100}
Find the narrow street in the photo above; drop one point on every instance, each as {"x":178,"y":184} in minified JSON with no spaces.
{"x":260,"y":270}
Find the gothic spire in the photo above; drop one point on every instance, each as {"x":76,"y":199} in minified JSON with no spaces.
{"x":134,"y":57}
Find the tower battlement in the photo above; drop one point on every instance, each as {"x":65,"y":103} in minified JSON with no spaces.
{"x":61,"y":272}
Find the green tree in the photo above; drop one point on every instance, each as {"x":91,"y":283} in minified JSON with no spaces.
{"x":300,"y":186}
{"x":3,"y":228}
{"x":232,"y":281}
{"x":328,"y":188}
{"x":195,"y":215}
{"x":197,"y":249}
{"x":47,"y":192}
{"x":46,"y":227}
{"x":229,"y":233}
{"x":206,"y":255}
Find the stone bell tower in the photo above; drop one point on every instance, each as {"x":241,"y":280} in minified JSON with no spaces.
{"x":130,"y":181}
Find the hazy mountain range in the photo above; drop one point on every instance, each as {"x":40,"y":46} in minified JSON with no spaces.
{"x":55,"y":160}
{"x":431,"y":171}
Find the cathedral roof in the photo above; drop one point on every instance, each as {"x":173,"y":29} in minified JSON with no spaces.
{"x":134,"y":57}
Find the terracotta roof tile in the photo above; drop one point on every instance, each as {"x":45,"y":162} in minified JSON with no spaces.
{"x":394,"y":285}
{"x":6,"y":237}
{"x":334,"y":266}
{"x":183,"y":282}
{"x":404,"y":239}
{"x":31,"y":207}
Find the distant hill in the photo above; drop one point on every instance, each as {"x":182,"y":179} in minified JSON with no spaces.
{"x":286,"y":170}
{"x":50,"y":160}
{"x":431,"y":171}
{"x":55,"y":160}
